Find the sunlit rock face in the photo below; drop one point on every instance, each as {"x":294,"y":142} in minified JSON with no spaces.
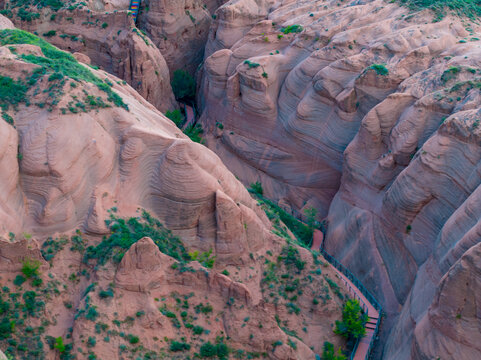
{"x":371,"y":115}
{"x":83,"y":156}
{"x":107,"y":38}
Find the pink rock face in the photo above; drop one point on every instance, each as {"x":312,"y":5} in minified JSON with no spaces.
{"x":179,"y":29}
{"x":110,"y":41}
{"x":452,"y":323}
{"x":67,"y":166}
{"x":74,"y":165}
{"x":370,"y":115}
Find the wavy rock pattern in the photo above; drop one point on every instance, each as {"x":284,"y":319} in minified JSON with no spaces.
{"x":65,"y":167}
{"x":116,"y":47}
{"x":179,"y":29}
{"x":390,"y":154}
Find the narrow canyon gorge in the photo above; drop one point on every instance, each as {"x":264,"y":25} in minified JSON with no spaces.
{"x":165,"y":166}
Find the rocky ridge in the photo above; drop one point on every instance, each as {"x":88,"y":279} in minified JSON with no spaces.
{"x":369,"y":113}
{"x":80,"y":147}
{"x":108,"y":40}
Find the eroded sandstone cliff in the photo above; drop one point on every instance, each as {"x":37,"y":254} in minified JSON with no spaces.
{"x":369,"y":113}
{"x":110,"y":40}
{"x":86,"y":271}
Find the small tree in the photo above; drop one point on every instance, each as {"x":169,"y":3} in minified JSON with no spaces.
{"x":30,"y":268}
{"x":328,"y":352}
{"x":353,"y":321}
{"x":183,"y":85}
{"x":59,"y":345}
{"x":176,"y":116}
{"x":311,"y":220}
{"x":257,"y":188}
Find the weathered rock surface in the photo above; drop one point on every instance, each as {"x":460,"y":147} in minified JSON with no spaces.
{"x":75,"y":152}
{"x":111,"y":42}
{"x":371,"y":115}
{"x":178,"y":28}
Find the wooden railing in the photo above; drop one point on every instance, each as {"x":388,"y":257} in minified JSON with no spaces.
{"x":345,"y":271}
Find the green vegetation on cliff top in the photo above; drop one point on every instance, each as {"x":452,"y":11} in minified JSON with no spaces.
{"x":55,"y":63}
{"x":461,"y":8}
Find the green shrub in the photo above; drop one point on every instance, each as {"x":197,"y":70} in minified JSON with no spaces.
{"x":219,"y":350}
{"x":194,"y":132}
{"x":197,"y":330}
{"x":50,"y":33}
{"x":204,"y":309}
{"x":205,"y":258}
{"x":353,"y":321}
{"x":59,"y":345}
{"x":104,"y":25}
{"x":290,"y":256}
{"x":103,"y":294}
{"x":30,"y":268}
{"x":179,"y":346}
{"x":55,"y":5}
{"x":328,"y":352}
{"x":32,"y":305}
{"x":257,"y":188}
{"x":91,"y":341}
{"x":51,"y":247}
{"x":55,"y":76}
{"x":12,"y":92}
{"x":311,"y":214}
{"x":276,"y":214}
{"x":36,"y":281}
{"x":450,"y":74}
{"x":54,"y":60}
{"x":208,"y":350}
{"x":408,"y":229}
{"x":176,"y":116}
{"x":8,"y":119}
{"x":7,"y":327}
{"x":183,"y":85}
{"x":276,"y":344}
{"x":292,"y":29}
{"x":27,"y":15}
{"x":380,"y":69}
{"x":124,"y":233}
{"x":133,"y":339}
{"x":92,"y":313}
{"x":251,"y":65}
{"x":19,"y":280}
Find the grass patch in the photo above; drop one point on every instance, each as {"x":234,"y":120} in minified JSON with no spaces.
{"x":40,"y":4}
{"x":124,"y":233}
{"x":296,"y":28}
{"x":54,"y":61}
{"x":176,"y":116}
{"x":276,"y":214}
{"x":194,"y":132}
{"x":462,"y":8}
{"x":380,"y":69}
{"x":12,"y":92}
{"x":251,"y":65}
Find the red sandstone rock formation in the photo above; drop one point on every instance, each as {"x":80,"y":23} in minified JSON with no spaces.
{"x":74,"y":154}
{"x":371,"y":115}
